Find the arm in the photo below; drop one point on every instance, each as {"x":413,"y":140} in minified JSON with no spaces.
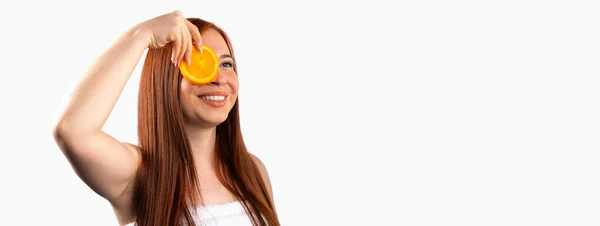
{"x":106,"y":165}
{"x":103,"y":163}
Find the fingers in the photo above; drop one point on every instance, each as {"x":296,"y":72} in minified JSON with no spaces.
{"x":195,"y":34}
{"x":186,"y":46}
{"x":177,"y":44}
{"x":182,"y":46}
{"x":183,"y":38}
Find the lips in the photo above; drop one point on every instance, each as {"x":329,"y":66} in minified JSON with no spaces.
{"x":214,"y":99}
{"x":214,"y":93}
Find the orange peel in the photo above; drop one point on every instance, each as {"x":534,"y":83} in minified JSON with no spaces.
{"x":204,"y":66}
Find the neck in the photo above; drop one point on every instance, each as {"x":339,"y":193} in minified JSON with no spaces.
{"x":202,"y":142}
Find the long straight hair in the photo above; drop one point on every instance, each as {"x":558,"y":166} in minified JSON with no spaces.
{"x":166,"y":187}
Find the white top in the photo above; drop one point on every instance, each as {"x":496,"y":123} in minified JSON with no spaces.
{"x":225,"y":214}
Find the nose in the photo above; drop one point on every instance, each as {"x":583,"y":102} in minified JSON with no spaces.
{"x":219,"y":80}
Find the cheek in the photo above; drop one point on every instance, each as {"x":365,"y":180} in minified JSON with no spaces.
{"x":185,"y":90}
{"x":235,"y":86}
{"x":183,"y":86}
{"x":234,"y":83}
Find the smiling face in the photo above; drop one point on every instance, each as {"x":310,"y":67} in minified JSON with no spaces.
{"x":208,"y":105}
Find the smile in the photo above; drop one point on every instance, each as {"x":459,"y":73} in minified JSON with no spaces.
{"x":213,"y":98}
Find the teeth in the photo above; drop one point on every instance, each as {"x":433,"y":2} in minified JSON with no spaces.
{"x":214,"y":98}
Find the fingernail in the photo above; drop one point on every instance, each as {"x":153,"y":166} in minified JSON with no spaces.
{"x":189,"y":61}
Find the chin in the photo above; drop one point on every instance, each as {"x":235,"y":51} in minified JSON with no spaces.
{"x":213,"y":119}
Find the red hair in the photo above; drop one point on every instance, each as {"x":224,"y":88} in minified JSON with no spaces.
{"x":166,"y":185}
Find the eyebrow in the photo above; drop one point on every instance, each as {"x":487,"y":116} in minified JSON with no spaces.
{"x":225,"y":56}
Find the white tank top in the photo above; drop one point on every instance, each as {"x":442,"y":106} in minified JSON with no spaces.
{"x":225,"y":214}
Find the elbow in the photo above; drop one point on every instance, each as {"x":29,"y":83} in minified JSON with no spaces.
{"x":67,"y":136}
{"x":61,"y":128}
{"x":62,"y":131}
{"x":59,"y":133}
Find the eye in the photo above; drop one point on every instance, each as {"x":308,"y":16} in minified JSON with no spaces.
{"x":227,"y":64}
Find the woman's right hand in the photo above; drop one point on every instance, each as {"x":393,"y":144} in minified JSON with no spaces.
{"x":173,"y":27}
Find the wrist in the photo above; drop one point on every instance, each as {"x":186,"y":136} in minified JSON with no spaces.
{"x":138,"y":35}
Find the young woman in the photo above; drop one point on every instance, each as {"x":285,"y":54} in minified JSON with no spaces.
{"x":191,"y":166}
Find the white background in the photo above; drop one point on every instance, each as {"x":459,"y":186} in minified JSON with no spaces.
{"x":365,"y":113}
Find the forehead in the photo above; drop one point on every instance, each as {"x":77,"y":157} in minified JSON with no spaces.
{"x":215,"y":41}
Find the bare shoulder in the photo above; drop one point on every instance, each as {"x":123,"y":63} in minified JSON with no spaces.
{"x":123,"y":205}
{"x":263,"y":172}
{"x":136,"y":152}
{"x":259,"y":163}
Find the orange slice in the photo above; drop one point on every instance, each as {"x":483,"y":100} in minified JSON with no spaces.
{"x":204,"y":66}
